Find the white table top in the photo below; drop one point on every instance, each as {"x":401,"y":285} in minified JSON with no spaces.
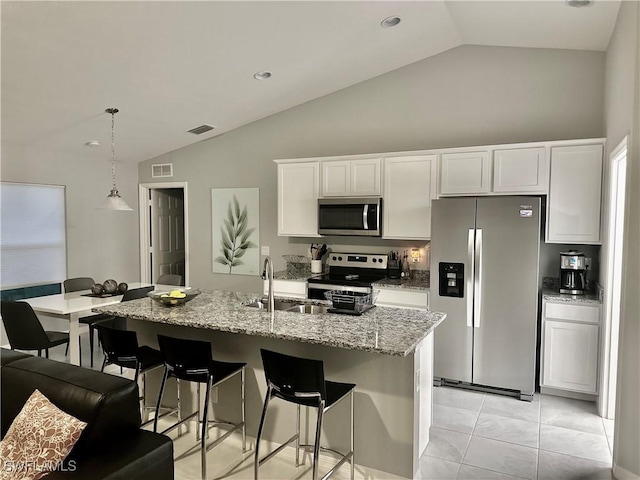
{"x":75,"y":302}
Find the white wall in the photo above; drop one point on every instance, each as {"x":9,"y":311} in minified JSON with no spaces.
{"x":100,"y":244}
{"x":466,"y":96}
{"x":622,"y":117}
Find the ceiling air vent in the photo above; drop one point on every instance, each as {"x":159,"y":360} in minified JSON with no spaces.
{"x":201,"y":129}
{"x":162,"y":170}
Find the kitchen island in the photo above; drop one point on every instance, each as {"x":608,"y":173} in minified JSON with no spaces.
{"x":386,"y":352}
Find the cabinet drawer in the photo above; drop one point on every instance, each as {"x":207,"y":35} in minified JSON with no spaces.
{"x":575,"y":313}
{"x":394,"y":297}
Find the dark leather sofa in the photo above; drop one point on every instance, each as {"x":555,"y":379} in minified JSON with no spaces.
{"x":112,"y":446}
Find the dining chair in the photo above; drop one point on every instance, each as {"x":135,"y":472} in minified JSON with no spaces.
{"x":24,"y":330}
{"x":170,"y":279}
{"x":77,"y":284}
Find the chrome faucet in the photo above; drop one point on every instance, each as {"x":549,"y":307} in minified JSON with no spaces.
{"x":267,"y":274}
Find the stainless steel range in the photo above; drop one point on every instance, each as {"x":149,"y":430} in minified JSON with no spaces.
{"x":349,"y":272}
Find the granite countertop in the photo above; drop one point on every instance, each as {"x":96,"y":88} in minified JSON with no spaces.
{"x":390,"y":331}
{"x":555,"y":296}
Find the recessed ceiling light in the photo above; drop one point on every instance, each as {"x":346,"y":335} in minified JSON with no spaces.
{"x":262,"y":75}
{"x":390,"y":22}
{"x":579,"y":3}
{"x":93,"y":143}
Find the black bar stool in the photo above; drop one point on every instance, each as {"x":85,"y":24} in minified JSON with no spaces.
{"x":121,"y":348}
{"x":191,"y":360}
{"x":301,"y":381}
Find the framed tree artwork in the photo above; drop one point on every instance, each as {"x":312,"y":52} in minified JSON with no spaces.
{"x":236,"y":230}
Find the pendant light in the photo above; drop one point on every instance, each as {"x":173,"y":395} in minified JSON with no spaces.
{"x":114,"y":201}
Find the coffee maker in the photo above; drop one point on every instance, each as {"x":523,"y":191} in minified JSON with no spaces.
{"x":573,"y":273}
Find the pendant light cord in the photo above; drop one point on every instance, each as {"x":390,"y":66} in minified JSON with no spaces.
{"x":113,"y":112}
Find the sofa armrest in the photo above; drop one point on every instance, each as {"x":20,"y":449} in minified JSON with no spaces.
{"x":142,"y":455}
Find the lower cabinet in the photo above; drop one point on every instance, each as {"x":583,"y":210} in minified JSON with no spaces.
{"x":570,"y":347}
{"x":403,"y":298}
{"x":287,"y":288}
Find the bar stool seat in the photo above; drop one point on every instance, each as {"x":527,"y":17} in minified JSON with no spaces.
{"x":121,"y":348}
{"x":301,"y":381}
{"x":192,"y":361}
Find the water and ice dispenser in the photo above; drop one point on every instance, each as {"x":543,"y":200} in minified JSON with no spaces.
{"x":451,"y":279}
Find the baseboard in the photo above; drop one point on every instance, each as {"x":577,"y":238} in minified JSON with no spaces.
{"x":622,"y":474}
{"x":568,"y":394}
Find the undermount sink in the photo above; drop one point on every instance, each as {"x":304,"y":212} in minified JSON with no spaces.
{"x":305,"y":308}
{"x":285,"y":306}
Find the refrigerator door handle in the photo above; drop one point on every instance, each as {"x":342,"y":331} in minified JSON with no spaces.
{"x":470,"y":277}
{"x":477,"y":293}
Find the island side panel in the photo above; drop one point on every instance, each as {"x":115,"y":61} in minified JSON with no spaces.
{"x":384,"y":399}
{"x":423,"y":397}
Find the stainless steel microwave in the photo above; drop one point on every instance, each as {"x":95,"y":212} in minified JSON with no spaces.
{"x":350,"y":216}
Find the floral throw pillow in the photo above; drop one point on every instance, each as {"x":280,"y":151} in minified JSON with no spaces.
{"x":38,"y":440}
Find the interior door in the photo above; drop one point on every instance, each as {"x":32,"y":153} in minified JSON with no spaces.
{"x":507,"y":276}
{"x":167,"y":232}
{"x":452,"y":226}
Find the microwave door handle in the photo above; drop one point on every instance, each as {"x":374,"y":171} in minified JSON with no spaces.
{"x":365,"y":216}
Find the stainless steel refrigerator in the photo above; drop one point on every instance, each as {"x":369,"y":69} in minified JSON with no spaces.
{"x":484,"y":275}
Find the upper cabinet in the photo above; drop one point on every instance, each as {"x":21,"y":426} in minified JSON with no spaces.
{"x":520,"y":170}
{"x":569,"y":172}
{"x":409,"y":187}
{"x":465,"y":173}
{"x":298,"y":199}
{"x":347,"y":178}
{"x":502,"y":171}
{"x":575,"y":189}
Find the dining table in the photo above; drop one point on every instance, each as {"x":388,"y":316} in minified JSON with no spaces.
{"x":73,"y":305}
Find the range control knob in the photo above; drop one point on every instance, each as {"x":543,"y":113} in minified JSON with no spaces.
{"x":340,"y":259}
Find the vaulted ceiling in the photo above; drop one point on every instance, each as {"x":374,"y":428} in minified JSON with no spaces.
{"x":170,"y":66}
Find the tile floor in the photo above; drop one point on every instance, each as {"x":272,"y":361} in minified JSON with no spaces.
{"x":485,"y":436}
{"x":474,"y":435}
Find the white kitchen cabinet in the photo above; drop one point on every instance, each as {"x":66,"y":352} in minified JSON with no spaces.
{"x":287,"y":288}
{"x":575,"y":191}
{"x":409,"y":187}
{"x":521,"y":170}
{"x":570,"y":347}
{"x":402,"y":298}
{"x":465,"y":173}
{"x":298,"y":185}
{"x":346,"y":178}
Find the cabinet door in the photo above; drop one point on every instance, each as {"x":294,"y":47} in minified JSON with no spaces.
{"x":403,"y":298}
{"x":409,"y":187}
{"x":465,"y":173}
{"x":336,"y":178}
{"x":570,"y":356}
{"x":521,"y":170}
{"x":365,"y":177}
{"x":575,"y":186}
{"x":298,"y":199}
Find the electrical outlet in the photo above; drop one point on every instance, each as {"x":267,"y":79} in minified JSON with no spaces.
{"x":264,"y":250}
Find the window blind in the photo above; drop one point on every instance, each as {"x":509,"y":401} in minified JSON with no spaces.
{"x":32,"y":234}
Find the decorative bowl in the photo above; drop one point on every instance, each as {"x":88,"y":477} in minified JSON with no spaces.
{"x":171,"y":298}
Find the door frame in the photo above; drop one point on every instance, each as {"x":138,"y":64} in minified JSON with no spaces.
{"x":145,"y":223}
{"x":618,"y":160}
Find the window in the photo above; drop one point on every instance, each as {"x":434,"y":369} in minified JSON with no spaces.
{"x":32,"y":234}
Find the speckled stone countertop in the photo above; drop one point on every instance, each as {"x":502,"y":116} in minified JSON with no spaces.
{"x":390,"y":331}
{"x":420,"y":280}
{"x":555,"y":296}
{"x":286,"y":275}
